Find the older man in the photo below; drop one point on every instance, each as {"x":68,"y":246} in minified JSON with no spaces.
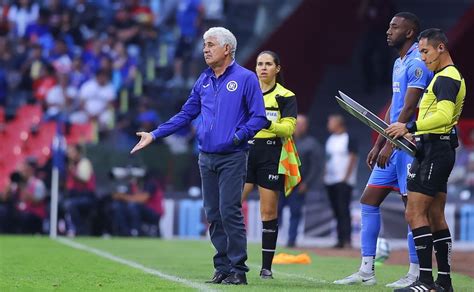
{"x":230,"y":102}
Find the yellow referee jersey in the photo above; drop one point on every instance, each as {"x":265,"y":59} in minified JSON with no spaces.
{"x":281,"y":110}
{"x":442,"y":102}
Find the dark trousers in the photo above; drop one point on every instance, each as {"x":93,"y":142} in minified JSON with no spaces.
{"x":340,"y":195}
{"x":7,"y":213}
{"x":295,"y":201}
{"x":28,"y":223}
{"x":128,"y":216}
{"x":77,"y":209}
{"x":223,"y":178}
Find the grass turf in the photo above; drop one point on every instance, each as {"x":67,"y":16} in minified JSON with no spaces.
{"x":41,"y":264}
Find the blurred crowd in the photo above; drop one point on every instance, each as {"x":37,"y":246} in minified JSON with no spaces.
{"x":120,"y":66}
{"x":101,"y":60}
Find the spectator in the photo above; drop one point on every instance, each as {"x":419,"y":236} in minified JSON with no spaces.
{"x":61,"y":99}
{"x":39,"y":32}
{"x":4,"y":8}
{"x":85,"y":17}
{"x":124,"y":67}
{"x":96,"y":96}
{"x":71,"y":35}
{"x":80,"y":191}
{"x":138,"y":204}
{"x":311,"y":154}
{"x":8,"y":198}
{"x":189,"y":21}
{"x":213,"y":13}
{"x":77,"y":77}
{"x":124,"y":27}
{"x":60,"y":57}
{"x":56,"y":9}
{"x":30,"y":68}
{"x":20,"y":15}
{"x":42,"y":85}
{"x":340,"y":176}
{"x":29,"y":194}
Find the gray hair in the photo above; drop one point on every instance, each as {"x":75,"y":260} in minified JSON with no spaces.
{"x":224,"y":37}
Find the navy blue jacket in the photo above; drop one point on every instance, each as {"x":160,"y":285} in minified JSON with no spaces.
{"x":230,"y":106}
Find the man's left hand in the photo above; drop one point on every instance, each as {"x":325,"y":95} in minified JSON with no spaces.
{"x":396,"y":130}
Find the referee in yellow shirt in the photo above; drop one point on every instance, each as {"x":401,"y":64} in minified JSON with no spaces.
{"x":265,"y":151}
{"x":436,"y":140}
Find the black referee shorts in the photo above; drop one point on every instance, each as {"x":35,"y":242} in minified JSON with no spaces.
{"x":264,"y":158}
{"x":432,"y":165}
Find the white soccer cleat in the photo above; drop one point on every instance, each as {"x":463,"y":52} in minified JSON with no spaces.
{"x":358,"y":278}
{"x":404,"y":281}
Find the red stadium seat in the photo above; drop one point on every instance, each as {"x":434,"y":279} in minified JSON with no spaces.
{"x":2,"y":115}
{"x":465,"y":126}
{"x":30,"y":113}
{"x":81,"y":133}
{"x":47,"y":131}
{"x":11,"y":157}
{"x":16,"y":131}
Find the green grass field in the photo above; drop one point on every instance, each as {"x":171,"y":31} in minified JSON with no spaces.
{"x":41,"y":264}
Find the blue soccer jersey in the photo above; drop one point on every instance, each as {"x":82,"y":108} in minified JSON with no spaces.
{"x":409,"y":71}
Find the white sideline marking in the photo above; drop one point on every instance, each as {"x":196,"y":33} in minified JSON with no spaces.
{"x":98,"y":252}
{"x":290,"y":275}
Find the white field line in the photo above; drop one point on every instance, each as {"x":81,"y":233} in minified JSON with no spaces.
{"x":154,"y":272}
{"x":290,"y":275}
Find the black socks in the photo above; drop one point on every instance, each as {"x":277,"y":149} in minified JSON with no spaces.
{"x":424,"y":249}
{"x":442,"y":245}
{"x":269,"y":240}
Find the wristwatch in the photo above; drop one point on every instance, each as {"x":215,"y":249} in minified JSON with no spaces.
{"x":411,"y":127}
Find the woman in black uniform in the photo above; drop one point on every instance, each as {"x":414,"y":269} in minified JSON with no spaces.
{"x":265,"y":151}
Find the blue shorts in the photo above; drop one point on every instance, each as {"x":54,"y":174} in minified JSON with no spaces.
{"x":394,"y":176}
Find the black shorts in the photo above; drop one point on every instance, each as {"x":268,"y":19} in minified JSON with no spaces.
{"x":432,"y":165}
{"x":264,"y":158}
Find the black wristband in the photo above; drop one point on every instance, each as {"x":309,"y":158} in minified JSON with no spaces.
{"x":411,"y":127}
{"x":268,"y":124}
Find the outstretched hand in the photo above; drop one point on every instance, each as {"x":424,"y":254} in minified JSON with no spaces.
{"x":145,"y":140}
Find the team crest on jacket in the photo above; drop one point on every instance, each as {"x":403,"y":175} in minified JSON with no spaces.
{"x":231,"y":85}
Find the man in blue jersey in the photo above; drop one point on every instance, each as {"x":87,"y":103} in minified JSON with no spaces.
{"x":389,"y":166}
{"x":230,"y":104}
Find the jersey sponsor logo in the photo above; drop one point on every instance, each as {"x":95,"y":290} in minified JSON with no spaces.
{"x":418,"y":73}
{"x":409,"y":174}
{"x":396,"y":86}
{"x":273,"y":177}
{"x":232,"y":86}
{"x":206,"y":86}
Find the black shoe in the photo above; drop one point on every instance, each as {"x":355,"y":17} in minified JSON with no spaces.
{"x":291,"y":244}
{"x":266,"y":274}
{"x":217,"y":278}
{"x":420,"y":286}
{"x":338,"y":245}
{"x":445,"y":288}
{"x":235,"y":279}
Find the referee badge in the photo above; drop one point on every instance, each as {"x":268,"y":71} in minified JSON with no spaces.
{"x":418,"y":73}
